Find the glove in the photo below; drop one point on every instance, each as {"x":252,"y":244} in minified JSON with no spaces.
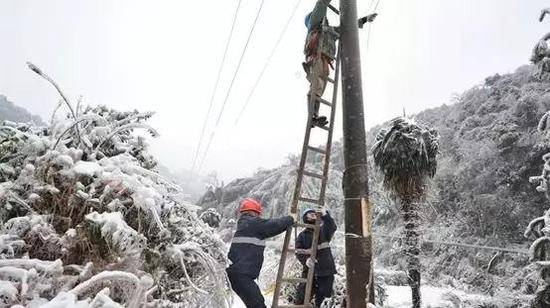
{"x":363,"y":20}
{"x":310,"y":262}
{"x":294,"y":216}
{"x":371,"y":17}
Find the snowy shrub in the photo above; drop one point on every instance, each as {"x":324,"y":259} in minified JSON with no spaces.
{"x":539,"y":228}
{"x":527,"y":112}
{"x":211,"y":217}
{"x":118,"y":235}
{"x":88,"y":222}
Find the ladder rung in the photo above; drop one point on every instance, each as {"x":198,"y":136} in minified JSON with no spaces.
{"x":314,"y":175}
{"x":300,"y":251}
{"x":328,"y":79}
{"x":309,"y":200}
{"x":324,"y":101}
{"x":295,"y":280}
{"x":318,"y":150}
{"x":324,"y":127}
{"x":299,"y":224}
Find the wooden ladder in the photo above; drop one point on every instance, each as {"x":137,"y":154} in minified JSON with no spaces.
{"x":318,"y":203}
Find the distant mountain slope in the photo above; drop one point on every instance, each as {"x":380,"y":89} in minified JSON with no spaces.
{"x":489,"y":148}
{"x":274,"y":187}
{"x":9,"y":111}
{"x":193,"y":184}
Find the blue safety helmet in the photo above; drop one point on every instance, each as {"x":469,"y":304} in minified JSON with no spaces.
{"x":306,"y":21}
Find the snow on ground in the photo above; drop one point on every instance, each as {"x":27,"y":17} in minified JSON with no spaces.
{"x":432,"y":297}
{"x":400,"y":297}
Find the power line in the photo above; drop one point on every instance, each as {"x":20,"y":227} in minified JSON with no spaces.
{"x":369,"y":25}
{"x":518,"y":251}
{"x":376,"y":6}
{"x":240,"y":62}
{"x":231,"y":84}
{"x":216,"y":84}
{"x":279,"y":39}
{"x":370,"y":6}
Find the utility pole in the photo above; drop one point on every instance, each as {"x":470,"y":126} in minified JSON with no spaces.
{"x":358,"y":209}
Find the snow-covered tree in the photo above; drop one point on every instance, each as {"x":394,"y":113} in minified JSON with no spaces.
{"x":539,"y":228}
{"x":541,"y":52}
{"x":406,"y":153}
{"x":86,"y":220}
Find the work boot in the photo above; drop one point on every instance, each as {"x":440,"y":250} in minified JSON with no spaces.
{"x":314,"y":120}
{"x":322,"y":121}
{"x":319,"y":121}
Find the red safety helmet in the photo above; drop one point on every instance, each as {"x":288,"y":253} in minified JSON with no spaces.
{"x":249,"y":204}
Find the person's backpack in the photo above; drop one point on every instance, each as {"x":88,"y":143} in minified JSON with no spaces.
{"x":329,"y":35}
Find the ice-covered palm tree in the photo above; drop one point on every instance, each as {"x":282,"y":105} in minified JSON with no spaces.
{"x":406,"y":155}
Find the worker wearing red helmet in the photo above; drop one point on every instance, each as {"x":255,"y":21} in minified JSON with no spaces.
{"x":247,"y":250}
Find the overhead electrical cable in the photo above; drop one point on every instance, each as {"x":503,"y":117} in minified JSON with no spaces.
{"x":231,"y":85}
{"x":368,"y":31}
{"x":268,"y":61}
{"x":376,"y":6}
{"x":215,"y":89}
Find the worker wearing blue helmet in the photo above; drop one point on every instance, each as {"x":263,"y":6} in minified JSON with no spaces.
{"x":320,"y":52}
{"x":317,"y":64}
{"x":323,"y":264}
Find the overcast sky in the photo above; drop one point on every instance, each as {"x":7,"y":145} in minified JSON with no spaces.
{"x":164,"y":55}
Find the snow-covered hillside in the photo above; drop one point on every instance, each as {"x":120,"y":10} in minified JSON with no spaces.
{"x":10,"y":112}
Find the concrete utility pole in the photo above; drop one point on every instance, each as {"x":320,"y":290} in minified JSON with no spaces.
{"x":358,"y":209}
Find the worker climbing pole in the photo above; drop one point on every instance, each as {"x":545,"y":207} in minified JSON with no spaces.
{"x":321,"y":53}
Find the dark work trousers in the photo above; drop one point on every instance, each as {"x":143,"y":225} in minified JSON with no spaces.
{"x":322,"y":288}
{"x":247,"y":289}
